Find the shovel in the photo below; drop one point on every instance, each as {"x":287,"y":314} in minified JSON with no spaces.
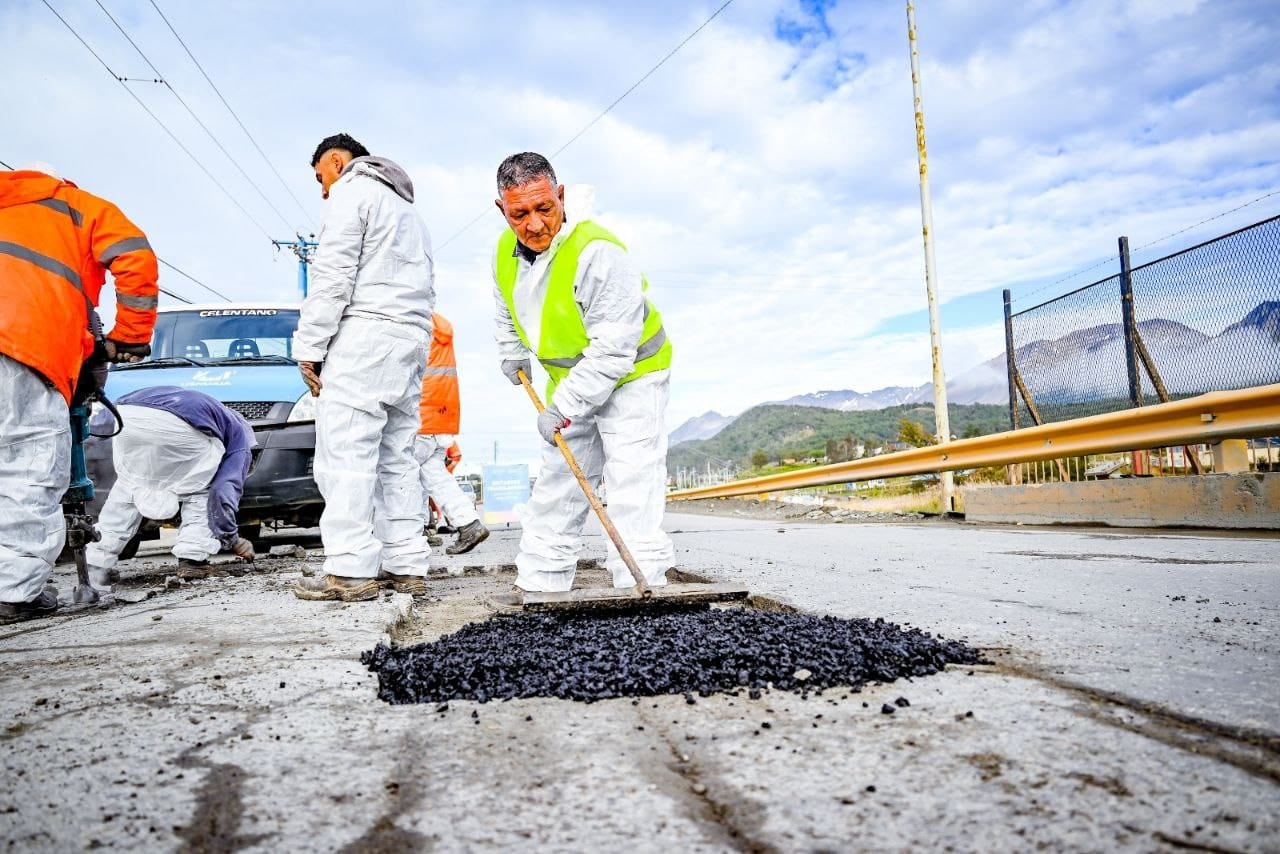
{"x":640,"y":596}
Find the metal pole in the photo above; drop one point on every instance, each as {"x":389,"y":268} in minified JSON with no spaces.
{"x":942,"y":422}
{"x":1141,"y":465}
{"x":1130,"y":325}
{"x":305,"y":250}
{"x":1008,"y":361}
{"x":1013,"y":473}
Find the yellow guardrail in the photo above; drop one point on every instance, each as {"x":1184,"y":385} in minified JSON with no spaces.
{"x":1245,"y":414}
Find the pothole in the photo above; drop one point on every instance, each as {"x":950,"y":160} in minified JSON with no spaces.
{"x":453,"y":648}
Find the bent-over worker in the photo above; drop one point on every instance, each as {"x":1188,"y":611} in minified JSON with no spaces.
{"x":568,"y":293}
{"x":178,"y":448}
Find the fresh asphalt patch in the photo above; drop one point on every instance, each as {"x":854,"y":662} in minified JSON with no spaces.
{"x":589,"y":657}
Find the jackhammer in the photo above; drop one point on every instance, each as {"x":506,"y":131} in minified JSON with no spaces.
{"x":90,"y":387}
{"x":80,"y":527}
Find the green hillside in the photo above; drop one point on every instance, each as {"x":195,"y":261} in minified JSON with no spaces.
{"x":803,"y":431}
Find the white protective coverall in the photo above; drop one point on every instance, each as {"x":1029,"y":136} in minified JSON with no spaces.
{"x":368,"y":319}
{"x":430,"y":451}
{"x":35,"y":469}
{"x":163,"y":464}
{"x":617,"y":432}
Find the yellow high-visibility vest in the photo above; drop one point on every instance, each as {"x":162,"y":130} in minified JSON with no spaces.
{"x":564,"y":334}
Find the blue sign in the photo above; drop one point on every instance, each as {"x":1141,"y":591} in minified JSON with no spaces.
{"x":505,"y":487}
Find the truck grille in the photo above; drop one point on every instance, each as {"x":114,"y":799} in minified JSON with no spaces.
{"x":252,"y":410}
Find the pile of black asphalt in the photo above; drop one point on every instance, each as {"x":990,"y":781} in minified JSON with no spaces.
{"x":589,"y":657}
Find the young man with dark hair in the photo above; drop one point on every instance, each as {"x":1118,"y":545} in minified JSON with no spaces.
{"x":367,"y":323}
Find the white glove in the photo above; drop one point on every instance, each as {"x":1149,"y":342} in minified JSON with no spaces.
{"x":510,"y":366}
{"x":551,"y":422}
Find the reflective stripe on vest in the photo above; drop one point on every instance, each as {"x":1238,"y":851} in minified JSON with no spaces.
{"x":563,"y":335}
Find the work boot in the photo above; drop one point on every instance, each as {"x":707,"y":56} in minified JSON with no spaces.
{"x":414,"y":585}
{"x":192,"y":570}
{"x":433,"y":539}
{"x":41,"y":606}
{"x":336,"y":588}
{"x":469,"y":536}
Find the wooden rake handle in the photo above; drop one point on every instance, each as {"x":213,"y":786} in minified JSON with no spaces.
{"x":623,"y":551}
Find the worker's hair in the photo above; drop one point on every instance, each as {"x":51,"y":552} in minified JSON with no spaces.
{"x":341,"y":142}
{"x":523,"y":168}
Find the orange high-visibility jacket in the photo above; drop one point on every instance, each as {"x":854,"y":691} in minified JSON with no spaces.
{"x":56,"y":244}
{"x":440,"y":409}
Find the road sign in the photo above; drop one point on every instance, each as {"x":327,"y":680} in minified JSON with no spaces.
{"x":505,"y":487}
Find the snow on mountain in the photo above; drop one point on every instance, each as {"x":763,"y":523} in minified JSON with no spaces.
{"x":1086,"y":364}
{"x":703,"y":426}
{"x":1090,"y":364}
{"x":847,"y":400}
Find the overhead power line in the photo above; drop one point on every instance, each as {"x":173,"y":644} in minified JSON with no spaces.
{"x":209,"y":80}
{"x":165,"y":82}
{"x":1106,"y":261}
{"x":181,"y":272}
{"x":616,"y":101}
{"x":163,"y":126}
{"x":164,"y":291}
{"x":646,"y":76}
{"x":169,"y":293}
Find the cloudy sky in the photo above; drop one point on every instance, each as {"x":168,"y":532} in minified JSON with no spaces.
{"x":765,"y":176}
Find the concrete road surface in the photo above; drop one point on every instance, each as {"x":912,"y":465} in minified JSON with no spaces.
{"x":1132,"y":704}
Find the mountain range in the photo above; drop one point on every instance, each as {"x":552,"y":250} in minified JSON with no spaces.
{"x":1085,"y":364}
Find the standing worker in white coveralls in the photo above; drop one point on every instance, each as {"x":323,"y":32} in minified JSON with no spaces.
{"x":362,"y":344}
{"x":568,"y":294}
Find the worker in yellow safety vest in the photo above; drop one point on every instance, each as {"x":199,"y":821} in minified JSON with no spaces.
{"x":569,"y":295}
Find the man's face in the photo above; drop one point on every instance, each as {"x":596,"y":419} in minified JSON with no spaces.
{"x":535,"y":212}
{"x":329,"y":167}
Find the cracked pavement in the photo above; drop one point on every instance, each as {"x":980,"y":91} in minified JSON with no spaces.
{"x":227,"y":715}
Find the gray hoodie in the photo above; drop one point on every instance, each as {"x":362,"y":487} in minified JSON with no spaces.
{"x":373,"y":261}
{"x":384,"y":170}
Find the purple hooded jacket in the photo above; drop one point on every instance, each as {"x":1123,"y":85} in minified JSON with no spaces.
{"x":227,"y":426}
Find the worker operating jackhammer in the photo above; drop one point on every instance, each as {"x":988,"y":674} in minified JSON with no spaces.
{"x":57,"y":243}
{"x":178,"y":450}
{"x":362,"y":344}
{"x":568,"y":293}
{"x":441,"y":414}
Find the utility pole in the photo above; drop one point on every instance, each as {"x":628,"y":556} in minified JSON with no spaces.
{"x":305,"y":250}
{"x":942,"y":421}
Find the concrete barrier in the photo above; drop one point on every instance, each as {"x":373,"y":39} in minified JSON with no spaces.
{"x":1204,"y":501}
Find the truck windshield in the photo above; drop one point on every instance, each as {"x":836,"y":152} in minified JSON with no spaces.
{"x":213,"y":336}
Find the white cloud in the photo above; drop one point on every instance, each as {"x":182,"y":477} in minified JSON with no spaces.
{"x":768,"y":188}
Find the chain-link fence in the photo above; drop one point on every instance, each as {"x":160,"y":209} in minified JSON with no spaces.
{"x":1200,"y":320}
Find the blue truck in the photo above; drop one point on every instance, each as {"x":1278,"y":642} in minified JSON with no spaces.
{"x":240,"y":354}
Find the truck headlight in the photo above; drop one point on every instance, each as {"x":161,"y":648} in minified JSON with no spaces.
{"x":304,"y":409}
